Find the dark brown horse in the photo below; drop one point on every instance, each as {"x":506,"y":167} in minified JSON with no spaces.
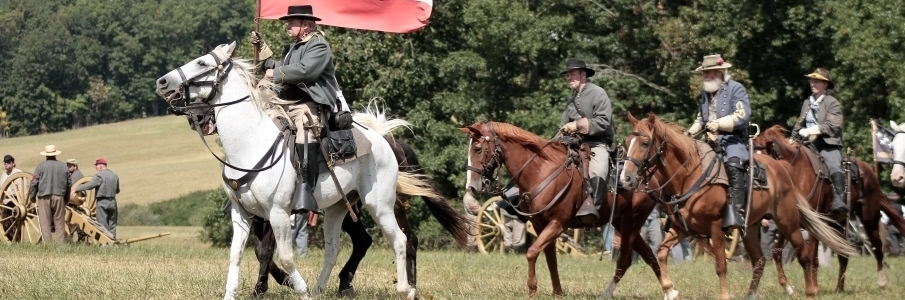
{"x":449,"y":218}
{"x":865,"y":194}
{"x":532,"y":160}
{"x":660,"y":150}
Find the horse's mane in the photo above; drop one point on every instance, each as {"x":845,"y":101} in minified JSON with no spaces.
{"x":375,"y":118}
{"x":685,"y":147}
{"x":261,"y":93}
{"x":529,"y":140}
{"x":776,"y":131}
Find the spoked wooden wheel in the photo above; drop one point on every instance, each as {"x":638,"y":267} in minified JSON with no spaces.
{"x":18,"y":214}
{"x":489,"y":227}
{"x":732,"y":240}
{"x":87,"y":200}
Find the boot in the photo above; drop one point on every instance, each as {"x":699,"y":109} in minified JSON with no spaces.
{"x":303,"y":197}
{"x":591,"y":206}
{"x":738,"y":197}
{"x":838,"y":206}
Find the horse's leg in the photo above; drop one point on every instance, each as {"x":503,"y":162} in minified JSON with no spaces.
{"x":788,"y":226}
{"x":264,"y":253}
{"x":546,"y":237}
{"x":237,"y":245}
{"x":719,"y":255}
{"x":553,"y":267}
{"x":635,"y":242}
{"x":279,"y":221}
{"x":333,"y":218}
{"x":752,"y":245}
{"x":385,"y":218}
{"x":411,"y":242}
{"x":872,"y":227}
{"x":776,"y":253}
{"x":672,"y":238}
{"x":361,"y":242}
{"x":843,"y":261}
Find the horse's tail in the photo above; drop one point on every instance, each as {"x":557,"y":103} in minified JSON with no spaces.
{"x":376,"y":119}
{"x":412,"y":184}
{"x":816,"y":224}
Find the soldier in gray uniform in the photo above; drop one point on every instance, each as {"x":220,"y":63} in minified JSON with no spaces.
{"x":305,"y":76}
{"x":820,"y":122}
{"x":107,"y":184}
{"x":589,"y":114}
{"x":74,"y":173}
{"x":724,"y":115}
{"x":49,"y":185}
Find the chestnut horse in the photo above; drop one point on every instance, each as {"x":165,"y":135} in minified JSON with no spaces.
{"x":659,"y":150}
{"x":532,"y":161}
{"x":865,"y":194}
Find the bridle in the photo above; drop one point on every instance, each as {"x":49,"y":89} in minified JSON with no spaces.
{"x":490,"y":168}
{"x":200,"y":111}
{"x":894,"y":161}
{"x":647,"y":165}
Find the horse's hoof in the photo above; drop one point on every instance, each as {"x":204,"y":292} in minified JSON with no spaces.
{"x":789,"y":289}
{"x":671,"y":294}
{"x":347,"y":293}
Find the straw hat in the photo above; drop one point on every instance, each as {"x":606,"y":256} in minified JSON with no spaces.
{"x":72,"y":161}
{"x":713,"y":62}
{"x":50,"y":150}
{"x":822,"y":74}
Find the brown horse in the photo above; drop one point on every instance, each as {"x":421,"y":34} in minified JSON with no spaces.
{"x":866,"y":200}
{"x":660,"y":150}
{"x":556,"y":192}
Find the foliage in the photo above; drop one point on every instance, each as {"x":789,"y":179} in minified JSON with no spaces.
{"x":476,"y":60}
{"x":187,"y":210}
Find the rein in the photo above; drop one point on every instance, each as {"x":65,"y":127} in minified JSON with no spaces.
{"x":647,"y":167}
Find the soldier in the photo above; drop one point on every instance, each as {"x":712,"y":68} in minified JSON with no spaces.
{"x":305,"y":76}
{"x":9,"y":163}
{"x":49,"y":185}
{"x":74,"y":173}
{"x":724,"y":114}
{"x":589,"y":114}
{"x":107,"y":184}
{"x":820,"y":122}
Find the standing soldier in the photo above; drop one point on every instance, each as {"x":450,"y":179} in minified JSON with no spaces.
{"x":107,"y":184}
{"x":49,"y":184}
{"x":724,"y":114}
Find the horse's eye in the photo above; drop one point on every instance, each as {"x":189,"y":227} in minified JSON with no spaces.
{"x":645,"y":144}
{"x":478,"y":150}
{"x":202,"y":63}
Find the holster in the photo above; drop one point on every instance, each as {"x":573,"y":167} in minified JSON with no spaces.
{"x":584,"y":155}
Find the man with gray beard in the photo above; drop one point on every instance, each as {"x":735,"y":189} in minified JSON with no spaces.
{"x":724,"y":115}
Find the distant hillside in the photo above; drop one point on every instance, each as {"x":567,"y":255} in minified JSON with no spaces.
{"x":156,"y":158}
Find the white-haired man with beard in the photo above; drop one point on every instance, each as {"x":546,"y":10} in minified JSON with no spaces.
{"x":724,"y":115}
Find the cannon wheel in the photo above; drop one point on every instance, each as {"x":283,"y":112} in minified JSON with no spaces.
{"x":18,"y":214}
{"x":490,"y":228}
{"x":87,"y":200}
{"x":732,"y":241}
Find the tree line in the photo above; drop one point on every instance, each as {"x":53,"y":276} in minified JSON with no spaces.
{"x":79,"y":63}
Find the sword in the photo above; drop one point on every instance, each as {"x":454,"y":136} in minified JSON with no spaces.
{"x":339,"y":187}
{"x":751,"y":165}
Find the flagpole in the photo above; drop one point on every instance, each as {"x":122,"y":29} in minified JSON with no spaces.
{"x":256,"y":47}
{"x":873,"y":139}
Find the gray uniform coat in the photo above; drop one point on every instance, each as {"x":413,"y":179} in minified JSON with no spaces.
{"x":829,"y":119}
{"x":51,"y":178}
{"x":731,"y":99}
{"x":105,"y":181}
{"x":592,"y":103}
{"x":306,"y":71}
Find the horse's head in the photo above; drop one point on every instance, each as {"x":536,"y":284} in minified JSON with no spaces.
{"x":772,"y":141}
{"x":190,"y":88}
{"x":898,"y":155}
{"x":644,"y":152}
{"x":484,"y":157}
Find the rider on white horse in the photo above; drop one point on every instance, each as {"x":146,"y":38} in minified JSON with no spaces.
{"x":305,"y":78}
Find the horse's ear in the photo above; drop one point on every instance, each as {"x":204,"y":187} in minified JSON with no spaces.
{"x":471,"y":131}
{"x":230,"y":48}
{"x":631,"y":118}
{"x":651,"y":117}
{"x":894,"y":126}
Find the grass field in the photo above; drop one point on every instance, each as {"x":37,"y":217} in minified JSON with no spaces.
{"x":180,"y":267}
{"x":156,"y":158}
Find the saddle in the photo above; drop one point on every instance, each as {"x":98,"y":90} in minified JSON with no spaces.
{"x":341,"y":144}
{"x":708,"y":153}
{"x":820,"y":169}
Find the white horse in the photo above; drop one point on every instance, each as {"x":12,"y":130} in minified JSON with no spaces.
{"x":221,"y":96}
{"x":898,"y":155}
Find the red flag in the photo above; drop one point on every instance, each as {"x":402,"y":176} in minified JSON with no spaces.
{"x":399,"y":16}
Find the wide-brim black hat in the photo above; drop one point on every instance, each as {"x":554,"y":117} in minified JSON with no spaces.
{"x":574,"y":63}
{"x":300,"y":12}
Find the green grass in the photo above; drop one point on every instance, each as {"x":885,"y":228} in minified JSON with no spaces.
{"x":156,"y":158}
{"x":180,"y":267}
